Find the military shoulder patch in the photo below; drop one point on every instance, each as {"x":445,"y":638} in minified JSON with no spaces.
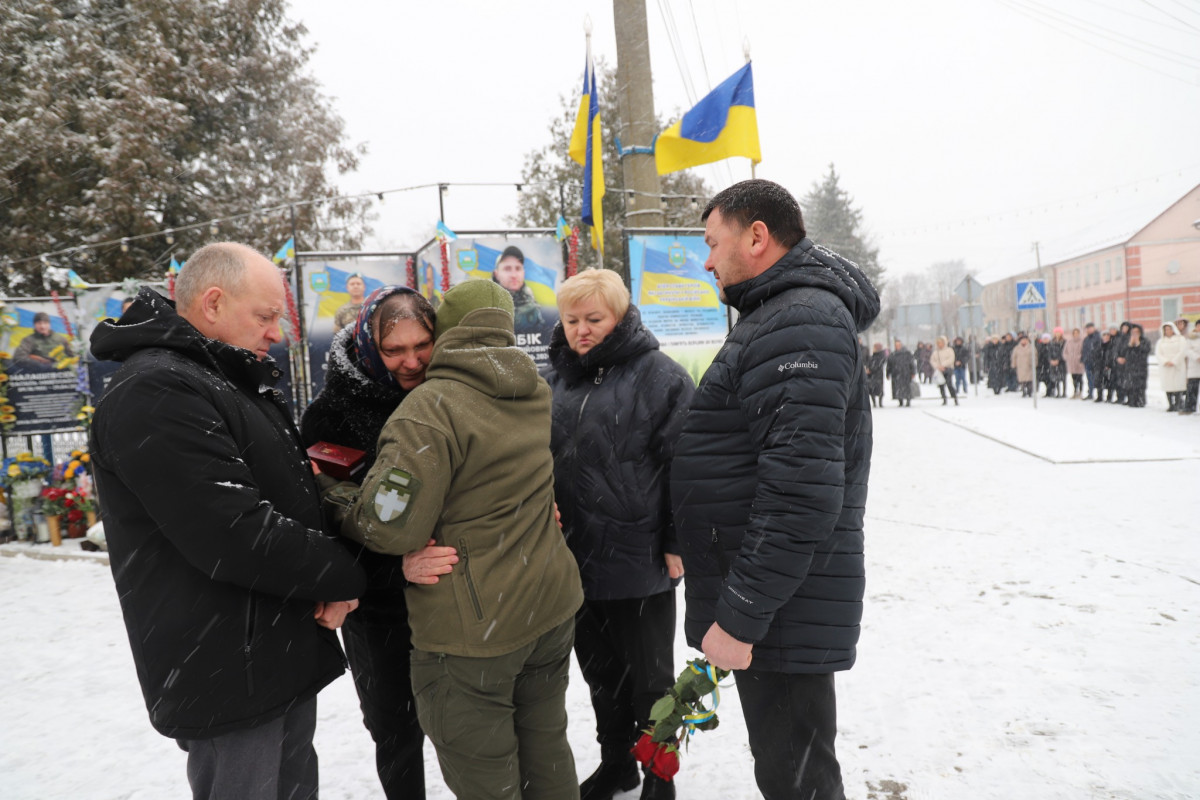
{"x":394,"y":495}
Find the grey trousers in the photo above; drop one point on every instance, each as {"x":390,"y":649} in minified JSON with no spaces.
{"x":499,"y":725}
{"x":275,"y":761}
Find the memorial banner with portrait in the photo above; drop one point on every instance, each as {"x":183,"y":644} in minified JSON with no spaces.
{"x":331,"y":293}
{"x":529,"y":267}
{"x":677,"y":297}
{"x":43,"y":388}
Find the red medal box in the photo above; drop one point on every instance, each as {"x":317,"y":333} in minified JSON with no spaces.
{"x":336,"y":460}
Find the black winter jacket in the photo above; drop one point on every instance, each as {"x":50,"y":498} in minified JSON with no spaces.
{"x":1093,"y":354}
{"x":213,"y":526}
{"x":618,"y":410}
{"x":351,"y":410}
{"x":901,"y":367}
{"x":877,"y":362}
{"x":770,"y":473}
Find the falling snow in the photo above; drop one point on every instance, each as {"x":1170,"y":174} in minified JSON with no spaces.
{"x":1030,"y":631}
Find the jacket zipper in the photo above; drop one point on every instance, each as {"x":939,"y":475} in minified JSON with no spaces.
{"x":599,"y":376}
{"x":575,"y":440}
{"x":719,"y":552}
{"x":466,"y":558}
{"x":246,"y":646}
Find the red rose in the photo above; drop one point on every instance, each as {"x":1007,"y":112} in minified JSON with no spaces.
{"x":666,"y":763}
{"x":74,"y":515}
{"x":644,"y":750}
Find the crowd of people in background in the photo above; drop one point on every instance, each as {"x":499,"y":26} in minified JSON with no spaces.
{"x":1109,"y":366}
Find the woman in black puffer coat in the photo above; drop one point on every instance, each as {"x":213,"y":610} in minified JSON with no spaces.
{"x":373,"y":364}
{"x":619,"y":404}
{"x":1136,"y":355}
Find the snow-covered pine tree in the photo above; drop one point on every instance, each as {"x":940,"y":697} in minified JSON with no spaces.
{"x":832,"y":221}
{"x":125,"y":117}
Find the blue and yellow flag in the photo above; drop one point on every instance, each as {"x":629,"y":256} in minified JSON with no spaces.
{"x":443,"y":233}
{"x":587,"y":151}
{"x":75,"y":282}
{"x":722,"y":125}
{"x":287,"y":251}
{"x":175,"y":266}
{"x":562,"y":229}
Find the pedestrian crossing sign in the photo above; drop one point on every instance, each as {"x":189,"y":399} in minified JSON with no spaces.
{"x":1031,"y":295}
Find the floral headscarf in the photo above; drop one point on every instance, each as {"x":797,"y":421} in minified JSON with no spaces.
{"x":369,"y":359}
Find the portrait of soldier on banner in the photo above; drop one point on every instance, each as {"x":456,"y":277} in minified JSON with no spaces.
{"x":42,"y":347}
{"x":40,"y":362}
{"x":533,"y":322}
{"x":529,"y":268}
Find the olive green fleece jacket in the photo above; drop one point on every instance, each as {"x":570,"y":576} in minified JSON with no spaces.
{"x":465,"y":460}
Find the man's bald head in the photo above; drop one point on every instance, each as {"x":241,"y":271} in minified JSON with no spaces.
{"x":222,"y":264}
{"x":234,"y":294}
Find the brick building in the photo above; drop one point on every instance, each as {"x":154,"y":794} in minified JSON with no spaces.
{"x":1151,"y":277}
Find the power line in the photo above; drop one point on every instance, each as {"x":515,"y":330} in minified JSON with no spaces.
{"x":124,"y":241}
{"x":703,"y":60}
{"x":676,"y":43}
{"x":1138,"y":17}
{"x":1186,"y":7}
{"x":1111,"y":35}
{"x":1172,"y":16}
{"x":1068,"y":34}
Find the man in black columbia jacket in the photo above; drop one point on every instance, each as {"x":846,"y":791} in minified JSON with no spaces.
{"x":228,"y":587}
{"x":769,"y":484}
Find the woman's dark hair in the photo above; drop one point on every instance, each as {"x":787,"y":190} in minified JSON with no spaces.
{"x":764,"y":201}
{"x":402,"y":305}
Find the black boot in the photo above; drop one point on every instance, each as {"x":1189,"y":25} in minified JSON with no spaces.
{"x":615,"y":774}
{"x":655,"y":788}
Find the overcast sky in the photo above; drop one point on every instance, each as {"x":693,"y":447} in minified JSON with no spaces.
{"x":963,"y":129}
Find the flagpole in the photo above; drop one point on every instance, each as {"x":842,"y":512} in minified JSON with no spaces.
{"x":746,"y":53}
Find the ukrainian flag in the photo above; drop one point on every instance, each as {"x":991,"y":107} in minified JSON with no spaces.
{"x":677,"y":280}
{"x":540,"y":280}
{"x":287,"y":251}
{"x":587,"y":151}
{"x":76,"y":282}
{"x":722,"y":125}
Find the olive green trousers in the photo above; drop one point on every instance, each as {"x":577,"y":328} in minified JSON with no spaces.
{"x":499,"y":725}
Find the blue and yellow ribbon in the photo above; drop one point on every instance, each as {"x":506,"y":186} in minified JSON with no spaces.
{"x":703,"y":715}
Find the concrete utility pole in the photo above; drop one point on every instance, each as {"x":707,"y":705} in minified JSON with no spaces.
{"x":637,"y":126}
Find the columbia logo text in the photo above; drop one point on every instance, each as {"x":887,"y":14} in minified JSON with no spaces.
{"x":798,"y":365}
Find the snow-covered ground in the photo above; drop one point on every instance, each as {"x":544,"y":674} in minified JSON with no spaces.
{"x":1031,"y":631}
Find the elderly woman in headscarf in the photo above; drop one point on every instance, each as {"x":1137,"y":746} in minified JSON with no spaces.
{"x":373,"y":364}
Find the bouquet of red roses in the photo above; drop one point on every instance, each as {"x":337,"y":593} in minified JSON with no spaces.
{"x":677,"y":715}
